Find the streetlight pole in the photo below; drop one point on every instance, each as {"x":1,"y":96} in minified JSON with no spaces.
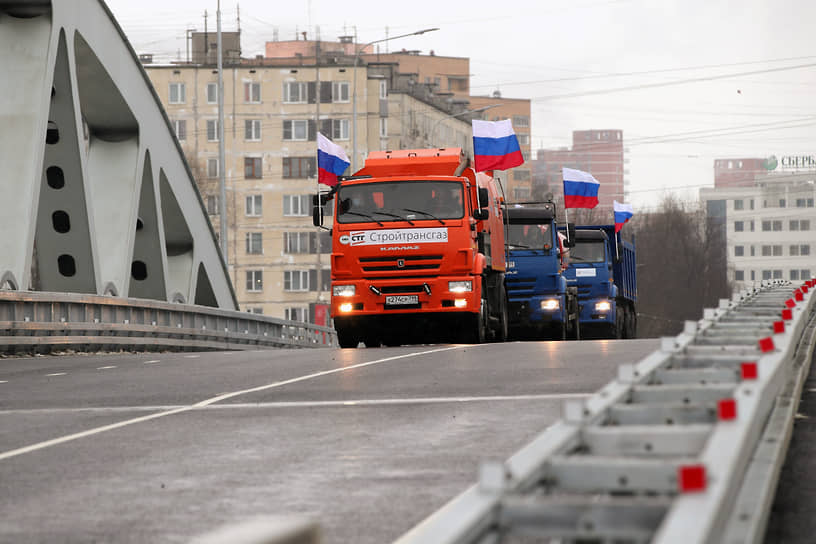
{"x":438,"y":121}
{"x":354,"y":89}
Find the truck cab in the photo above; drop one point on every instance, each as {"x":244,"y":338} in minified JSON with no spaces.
{"x":541,"y":304}
{"x":417,"y":251}
{"x":602,"y":268}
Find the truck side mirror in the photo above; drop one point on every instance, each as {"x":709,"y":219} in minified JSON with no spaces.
{"x":484,"y":197}
{"x":317,"y":211}
{"x":481,"y":214}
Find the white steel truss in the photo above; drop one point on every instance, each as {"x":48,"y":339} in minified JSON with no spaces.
{"x":97,"y":197}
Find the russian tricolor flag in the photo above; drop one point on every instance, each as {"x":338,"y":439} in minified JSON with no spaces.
{"x":331,"y":161}
{"x":495,"y":146}
{"x":580,"y":189}
{"x":623,"y":213}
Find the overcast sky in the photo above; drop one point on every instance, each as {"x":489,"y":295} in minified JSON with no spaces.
{"x":663,"y":71}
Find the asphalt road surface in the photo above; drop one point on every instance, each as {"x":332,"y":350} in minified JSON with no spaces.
{"x":368,"y":442}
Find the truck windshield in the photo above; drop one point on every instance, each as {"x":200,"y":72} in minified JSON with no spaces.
{"x":400,"y":201}
{"x":587,"y":252}
{"x":530,"y":236}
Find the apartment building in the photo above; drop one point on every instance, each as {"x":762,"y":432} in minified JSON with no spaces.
{"x":599,"y":152}
{"x":769,"y":227}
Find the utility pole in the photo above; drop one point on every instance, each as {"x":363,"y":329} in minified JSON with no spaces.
{"x":222,"y":205}
{"x":318,"y":249}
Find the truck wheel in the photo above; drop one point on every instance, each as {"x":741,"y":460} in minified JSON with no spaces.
{"x":475,"y":331}
{"x":346,"y":339}
{"x":502,"y":330}
{"x":620,"y":321}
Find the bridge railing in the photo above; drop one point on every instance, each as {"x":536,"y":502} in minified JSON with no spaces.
{"x":685,"y":445}
{"x":42,"y":322}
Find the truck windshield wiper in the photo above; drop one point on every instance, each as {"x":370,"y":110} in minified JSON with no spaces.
{"x":380,"y":223}
{"x":432,"y":216}
{"x":389,"y":214}
{"x":511,"y":244}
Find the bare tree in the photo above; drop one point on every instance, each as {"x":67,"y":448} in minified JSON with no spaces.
{"x":681,"y":267}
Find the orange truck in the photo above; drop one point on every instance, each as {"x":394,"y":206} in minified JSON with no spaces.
{"x":417,"y":251}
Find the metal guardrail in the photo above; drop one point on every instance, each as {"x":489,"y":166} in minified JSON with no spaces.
{"x":42,"y":322}
{"x":684,"y":446}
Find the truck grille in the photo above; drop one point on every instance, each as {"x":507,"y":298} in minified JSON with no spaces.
{"x":584,"y":291}
{"x":517,"y":287}
{"x":408,"y":263}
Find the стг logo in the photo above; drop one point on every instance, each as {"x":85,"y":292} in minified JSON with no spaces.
{"x":344,"y":239}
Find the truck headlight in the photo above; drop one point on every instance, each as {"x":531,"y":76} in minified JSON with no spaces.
{"x":550,"y":304}
{"x":465,"y":286}
{"x":603,"y":306}
{"x":344,"y":290}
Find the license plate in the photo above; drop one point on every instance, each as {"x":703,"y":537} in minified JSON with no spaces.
{"x":397,"y":300}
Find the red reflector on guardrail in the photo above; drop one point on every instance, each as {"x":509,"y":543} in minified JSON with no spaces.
{"x":691,"y":478}
{"x":779,"y":327}
{"x":727,"y":409}
{"x":805,"y":288}
{"x":787,"y":314}
{"x":798,"y":295}
{"x":790,"y":303}
{"x":766,"y":344}
{"x":750,"y":371}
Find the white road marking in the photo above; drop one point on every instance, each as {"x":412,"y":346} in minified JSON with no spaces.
{"x":554,"y":397}
{"x":208,"y":402}
{"x":151,"y":362}
{"x":105,"y":367}
{"x":3,"y":381}
{"x":192,"y":356}
{"x":57,"y":374}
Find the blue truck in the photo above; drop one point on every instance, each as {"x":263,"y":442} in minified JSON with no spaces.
{"x":541,"y":304}
{"x":602,"y":268}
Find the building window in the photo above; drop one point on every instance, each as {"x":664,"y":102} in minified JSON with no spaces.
{"x":325,"y":280}
{"x":212,"y":130}
{"x":296,"y":242}
{"x":738,"y":205}
{"x":777,"y":274}
{"x":753,"y":275}
{"x":523,"y":139}
{"x":340,"y":91}
{"x":177,"y":93}
{"x":739,"y":251}
{"x":383,"y":127}
{"x":254,"y":281}
{"x":794,"y":275}
{"x":772,"y":251}
{"x":255,"y":310}
{"x":521,"y":121}
{"x":252,"y":130}
{"x":295,"y":280}
{"x":254,"y":243}
{"x":299,"y":167}
{"x":296,"y":205}
{"x":739,"y":275}
{"x":799,"y":224}
{"x":766,"y":274}
{"x":766,"y":251}
{"x":295,"y":92}
{"x":781,"y":202}
{"x":739,"y":226}
{"x":768,"y":226}
{"x":804,"y":274}
{"x":212,"y":205}
{"x":296,"y":130}
{"x":180,"y":128}
{"x":212,"y":168}
{"x":336,"y":129}
{"x":751,"y":204}
{"x":521,"y":175}
{"x":383,"y":89}
{"x":254,"y":205}
{"x":804,"y":250}
{"x":521,"y":193}
{"x":212,"y":93}
{"x":252,"y":92}
{"x":793,"y":251}
{"x":753,"y":251}
{"x":253,"y":167}
{"x":297,"y":314}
